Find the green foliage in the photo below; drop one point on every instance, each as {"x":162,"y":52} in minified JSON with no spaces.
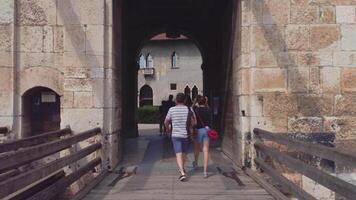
{"x":148,"y":115}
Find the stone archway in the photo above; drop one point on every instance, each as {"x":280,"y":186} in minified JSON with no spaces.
{"x":41,"y":111}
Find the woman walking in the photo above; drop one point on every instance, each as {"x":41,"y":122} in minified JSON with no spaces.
{"x":203,"y":113}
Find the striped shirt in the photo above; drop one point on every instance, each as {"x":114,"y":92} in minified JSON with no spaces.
{"x":178,"y":116}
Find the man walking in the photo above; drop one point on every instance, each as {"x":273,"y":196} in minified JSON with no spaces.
{"x":178,"y":115}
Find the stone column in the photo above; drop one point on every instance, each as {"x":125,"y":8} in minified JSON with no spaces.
{"x":7,"y":32}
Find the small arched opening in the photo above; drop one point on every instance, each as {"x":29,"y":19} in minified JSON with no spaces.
{"x":187,"y":91}
{"x":146,"y":96}
{"x":41,"y":111}
{"x":175,"y":60}
{"x":195,"y":92}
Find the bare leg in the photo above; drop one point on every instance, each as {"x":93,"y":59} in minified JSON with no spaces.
{"x":180,"y":162}
{"x":184,"y":157}
{"x":206,"y":154}
{"x":196,"y":151}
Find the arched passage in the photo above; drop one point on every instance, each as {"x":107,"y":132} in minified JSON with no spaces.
{"x":41,"y":111}
{"x":146,"y":96}
{"x":207,"y":23}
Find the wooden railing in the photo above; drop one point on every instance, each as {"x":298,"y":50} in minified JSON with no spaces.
{"x":331,"y":182}
{"x":47,"y":180}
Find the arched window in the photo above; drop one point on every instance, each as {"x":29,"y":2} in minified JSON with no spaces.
{"x":174,"y":60}
{"x":194,"y":92}
{"x":187,"y":91}
{"x":146,"y":96}
{"x":142,"y":62}
{"x":149,"y":61}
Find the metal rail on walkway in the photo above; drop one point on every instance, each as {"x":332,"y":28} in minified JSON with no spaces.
{"x":19,"y":179}
{"x":331,"y":182}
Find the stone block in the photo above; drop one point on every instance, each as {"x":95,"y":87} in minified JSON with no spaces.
{"x":345,"y":14}
{"x":245,"y":81}
{"x":327,"y":15}
{"x":304,"y":14}
{"x":81,"y":73}
{"x":315,"y":80}
{"x":31,"y":38}
{"x":78,"y":85}
{"x":48,"y":39}
{"x":245,"y":13}
{"x":268,"y":37}
{"x":279,"y":105}
{"x":344,"y":58}
{"x":5,"y":37}
{"x":36,"y":12}
{"x":298,"y":79}
{"x":269,"y":80}
{"x":83,"y":99}
{"x":297,"y":37}
{"x":256,"y":105}
{"x":324,"y":37}
{"x":81,"y":119}
{"x":244,"y":60}
{"x":41,"y":76}
{"x":348,"y":80}
{"x":315,"y":59}
{"x":6,"y":59}
{"x":345,"y":105}
{"x":256,"y":11}
{"x":94,"y":44}
{"x":50,"y":60}
{"x":7,"y":11}
{"x":67,"y":100}
{"x":74,"y":39}
{"x":276,"y":12}
{"x":82,"y":61}
{"x":6,"y":105}
{"x":58,"y":39}
{"x":270,"y":124}
{"x":315,"y":105}
{"x":245,"y":39}
{"x":305,"y":124}
{"x":348,"y":39}
{"x":6,"y":79}
{"x":343,"y":127}
{"x":287,"y":59}
{"x":76,"y":12}
{"x":267,"y":59}
{"x":112,"y":146}
{"x":330,"y":79}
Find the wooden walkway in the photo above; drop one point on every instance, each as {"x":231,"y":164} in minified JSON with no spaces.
{"x":157,"y":174}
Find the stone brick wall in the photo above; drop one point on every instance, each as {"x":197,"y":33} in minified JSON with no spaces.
{"x":66,"y":46}
{"x":296,"y":67}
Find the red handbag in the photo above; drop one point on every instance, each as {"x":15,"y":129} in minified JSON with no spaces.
{"x":212,"y":133}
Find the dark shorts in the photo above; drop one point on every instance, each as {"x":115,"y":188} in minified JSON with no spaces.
{"x":180,"y":145}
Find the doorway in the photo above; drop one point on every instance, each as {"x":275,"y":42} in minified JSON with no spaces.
{"x":41,"y":111}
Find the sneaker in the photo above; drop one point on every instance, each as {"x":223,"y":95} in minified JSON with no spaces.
{"x":180,"y":171}
{"x":195,"y":164}
{"x":182,"y":178}
{"x":206,"y":175}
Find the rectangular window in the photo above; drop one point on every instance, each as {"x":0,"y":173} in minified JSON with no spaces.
{"x":173,"y":86}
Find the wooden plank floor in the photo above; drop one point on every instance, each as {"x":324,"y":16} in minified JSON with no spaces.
{"x":157,"y":174}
